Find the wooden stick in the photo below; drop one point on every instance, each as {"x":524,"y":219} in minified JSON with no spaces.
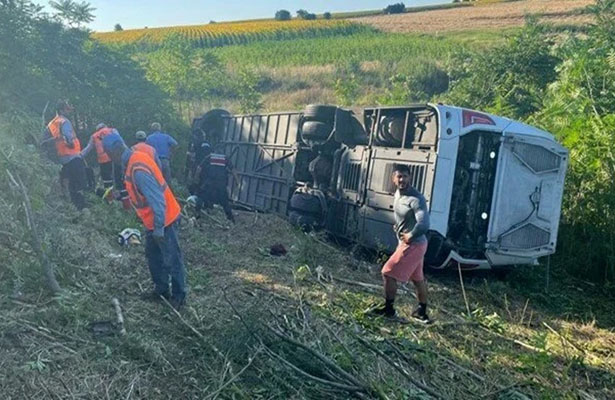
{"x":574,"y":346}
{"x":215,"y":394}
{"x":48,"y":268}
{"x":118,"y":314}
{"x":192,"y":328}
{"x":400,"y":369}
{"x":43,"y":334}
{"x":463,"y":290}
{"x":325,"y":360}
{"x":336,"y":385}
{"x":366,"y":285}
{"x":183,"y":321}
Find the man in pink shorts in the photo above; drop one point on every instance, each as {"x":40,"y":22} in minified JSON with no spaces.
{"x":406,"y":263}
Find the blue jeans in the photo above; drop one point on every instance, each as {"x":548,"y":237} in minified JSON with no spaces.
{"x":166,"y":261}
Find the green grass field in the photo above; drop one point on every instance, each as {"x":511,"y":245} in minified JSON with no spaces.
{"x":384,"y":47}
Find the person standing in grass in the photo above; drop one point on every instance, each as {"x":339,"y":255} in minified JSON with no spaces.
{"x":406,"y":263}
{"x":160,"y":213}
{"x":104,"y":162}
{"x":67,"y":148}
{"x":164,"y":145}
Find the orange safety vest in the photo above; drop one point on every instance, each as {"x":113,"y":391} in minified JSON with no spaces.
{"x":98,"y":137}
{"x":55,"y":128}
{"x":140,"y":161}
{"x":145,"y":148}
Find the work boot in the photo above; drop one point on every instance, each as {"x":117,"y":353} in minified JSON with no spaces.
{"x":420,"y":315}
{"x":384,"y":311}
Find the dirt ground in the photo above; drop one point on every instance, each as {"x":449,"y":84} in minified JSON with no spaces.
{"x":263,"y":327}
{"x":495,"y":16}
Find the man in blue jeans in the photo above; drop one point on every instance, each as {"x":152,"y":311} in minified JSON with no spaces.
{"x":163,"y":143}
{"x":160,"y":212}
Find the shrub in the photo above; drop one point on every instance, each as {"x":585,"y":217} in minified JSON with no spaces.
{"x":282,"y":15}
{"x":396,"y":8}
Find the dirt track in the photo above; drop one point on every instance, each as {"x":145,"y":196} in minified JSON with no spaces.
{"x":496,"y":15}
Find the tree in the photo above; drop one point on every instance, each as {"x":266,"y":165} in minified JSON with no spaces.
{"x":327,"y":15}
{"x":396,"y":8}
{"x":72,"y":13}
{"x":118,"y":28}
{"x":303,"y":14}
{"x":282,"y":15}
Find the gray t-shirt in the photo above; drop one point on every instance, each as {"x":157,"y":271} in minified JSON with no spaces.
{"x":411,"y":214}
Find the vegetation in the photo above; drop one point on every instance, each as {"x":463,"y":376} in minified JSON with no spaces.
{"x":283,"y":15}
{"x":396,"y":8}
{"x":54,"y":62}
{"x":303,"y":14}
{"x":72,"y":12}
{"x":566,"y":89}
{"x":205,"y":36}
{"x":258,"y":326}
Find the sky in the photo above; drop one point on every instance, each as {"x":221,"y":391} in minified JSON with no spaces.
{"x":153,"y":13}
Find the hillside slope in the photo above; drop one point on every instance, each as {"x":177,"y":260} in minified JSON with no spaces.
{"x":264,"y":327}
{"x":493,"y":16}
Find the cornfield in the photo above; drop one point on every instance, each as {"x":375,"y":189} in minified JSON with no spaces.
{"x":224,"y":34}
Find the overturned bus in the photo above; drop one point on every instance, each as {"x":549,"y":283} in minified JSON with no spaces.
{"x":493,"y":186}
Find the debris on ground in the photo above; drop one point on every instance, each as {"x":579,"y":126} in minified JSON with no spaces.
{"x":278,"y":250}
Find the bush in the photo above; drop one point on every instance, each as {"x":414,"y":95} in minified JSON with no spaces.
{"x":420,"y":85}
{"x":303,"y":14}
{"x":327,"y":15}
{"x":282,"y":15}
{"x":513,"y":85}
{"x":396,"y":8}
{"x":100,"y":82}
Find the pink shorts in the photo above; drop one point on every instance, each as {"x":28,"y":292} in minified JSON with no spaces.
{"x":406,"y":263}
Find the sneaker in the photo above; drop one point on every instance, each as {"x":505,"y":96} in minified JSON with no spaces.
{"x":385,"y":312}
{"x":420,"y":317}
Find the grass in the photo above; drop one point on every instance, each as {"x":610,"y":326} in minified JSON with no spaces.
{"x":382,"y":47}
{"x":237,"y":291}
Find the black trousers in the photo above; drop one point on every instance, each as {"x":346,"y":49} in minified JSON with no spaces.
{"x":106,"y":174}
{"x":111,"y":174}
{"x":74,"y":173}
{"x":215,"y":194}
